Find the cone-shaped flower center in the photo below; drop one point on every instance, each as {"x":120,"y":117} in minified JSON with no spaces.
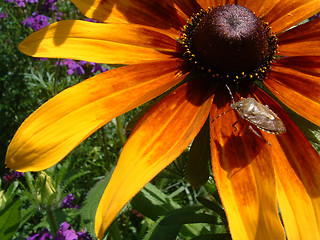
{"x":229,"y":41}
{"x":231,"y":38}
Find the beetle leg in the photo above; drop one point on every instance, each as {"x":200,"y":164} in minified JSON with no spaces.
{"x":256,"y":133}
{"x":234,"y":126}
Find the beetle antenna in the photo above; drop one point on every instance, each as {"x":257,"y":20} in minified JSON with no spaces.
{"x":221,"y":114}
{"x":230,"y":94}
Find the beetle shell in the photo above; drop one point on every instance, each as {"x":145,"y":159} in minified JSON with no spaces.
{"x":259,"y":115}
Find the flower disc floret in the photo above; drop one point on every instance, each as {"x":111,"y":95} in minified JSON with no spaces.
{"x":229,"y":42}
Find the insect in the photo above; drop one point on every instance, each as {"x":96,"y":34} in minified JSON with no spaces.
{"x":257,"y":114}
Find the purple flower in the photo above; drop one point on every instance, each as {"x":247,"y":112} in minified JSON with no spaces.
{"x":67,"y":202}
{"x":84,"y":235}
{"x":20,"y":3}
{"x":65,"y":233}
{"x":40,"y":236}
{"x":36,"y":21}
{"x":73,"y":67}
{"x":49,"y":5}
{"x":12,"y":176}
{"x":3,"y":15}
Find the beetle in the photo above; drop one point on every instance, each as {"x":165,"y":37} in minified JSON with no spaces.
{"x":257,"y":114}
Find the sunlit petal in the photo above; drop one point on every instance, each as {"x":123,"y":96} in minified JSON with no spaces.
{"x":158,"y":138}
{"x":186,"y":7}
{"x":79,"y":39}
{"x":155,"y":13}
{"x":59,"y":125}
{"x":244,"y":176}
{"x":288,"y":13}
{"x":297,"y":167}
{"x":299,"y":91}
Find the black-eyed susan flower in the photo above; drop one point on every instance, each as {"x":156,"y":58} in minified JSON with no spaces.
{"x":248,"y":45}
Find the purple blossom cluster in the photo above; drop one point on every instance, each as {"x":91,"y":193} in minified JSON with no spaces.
{"x":43,"y":235}
{"x":3,"y":15}
{"x":67,"y":202}
{"x":67,"y":233}
{"x":36,"y":21}
{"x":12,"y":176}
{"x":80,"y":67}
{"x":22,"y":3}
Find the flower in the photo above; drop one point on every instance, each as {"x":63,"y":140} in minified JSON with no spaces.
{"x":36,"y":21}
{"x":43,"y":235}
{"x":12,"y":176}
{"x":252,"y":48}
{"x":67,"y":201}
{"x":67,"y":233}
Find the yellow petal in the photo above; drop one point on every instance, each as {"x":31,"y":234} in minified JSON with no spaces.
{"x":288,"y":13}
{"x":244,"y":176}
{"x":155,"y":13}
{"x":158,"y":138}
{"x":99,"y":42}
{"x":292,"y":87}
{"x":297,"y":168}
{"x":63,"y":122}
{"x":303,"y":40}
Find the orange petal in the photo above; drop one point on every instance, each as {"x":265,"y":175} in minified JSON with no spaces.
{"x":214,"y":3}
{"x":303,"y":40}
{"x":305,"y":64}
{"x":259,"y":7}
{"x":186,"y":7}
{"x":99,"y":42}
{"x":159,"y":14}
{"x":293,"y":89}
{"x":158,"y":138}
{"x":244,"y":176}
{"x":297,"y":170}
{"x":288,"y":13}
{"x":63,"y":122}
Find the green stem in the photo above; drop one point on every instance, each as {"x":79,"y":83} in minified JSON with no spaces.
{"x":52,"y":220}
{"x":120,"y":128}
{"x":103,"y":143}
{"x":55,"y":83}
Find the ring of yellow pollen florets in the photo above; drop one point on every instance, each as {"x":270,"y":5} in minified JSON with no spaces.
{"x":229,"y":43}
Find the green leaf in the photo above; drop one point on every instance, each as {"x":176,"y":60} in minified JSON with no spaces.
{"x":88,"y":211}
{"x":152,"y":203}
{"x":197,"y":170}
{"x":189,"y":216}
{"x":217,"y":236}
{"x":10,"y":218}
{"x":214,"y":206}
{"x":160,"y":232}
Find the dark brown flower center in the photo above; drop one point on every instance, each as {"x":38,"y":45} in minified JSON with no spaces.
{"x":229,"y":41}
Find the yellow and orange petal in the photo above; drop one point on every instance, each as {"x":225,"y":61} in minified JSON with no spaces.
{"x":63,"y":122}
{"x":159,"y":14}
{"x":244,"y":176}
{"x":157,"y":139}
{"x":302,"y":40}
{"x":293,"y":88}
{"x":297,"y":171}
{"x":101,"y":43}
